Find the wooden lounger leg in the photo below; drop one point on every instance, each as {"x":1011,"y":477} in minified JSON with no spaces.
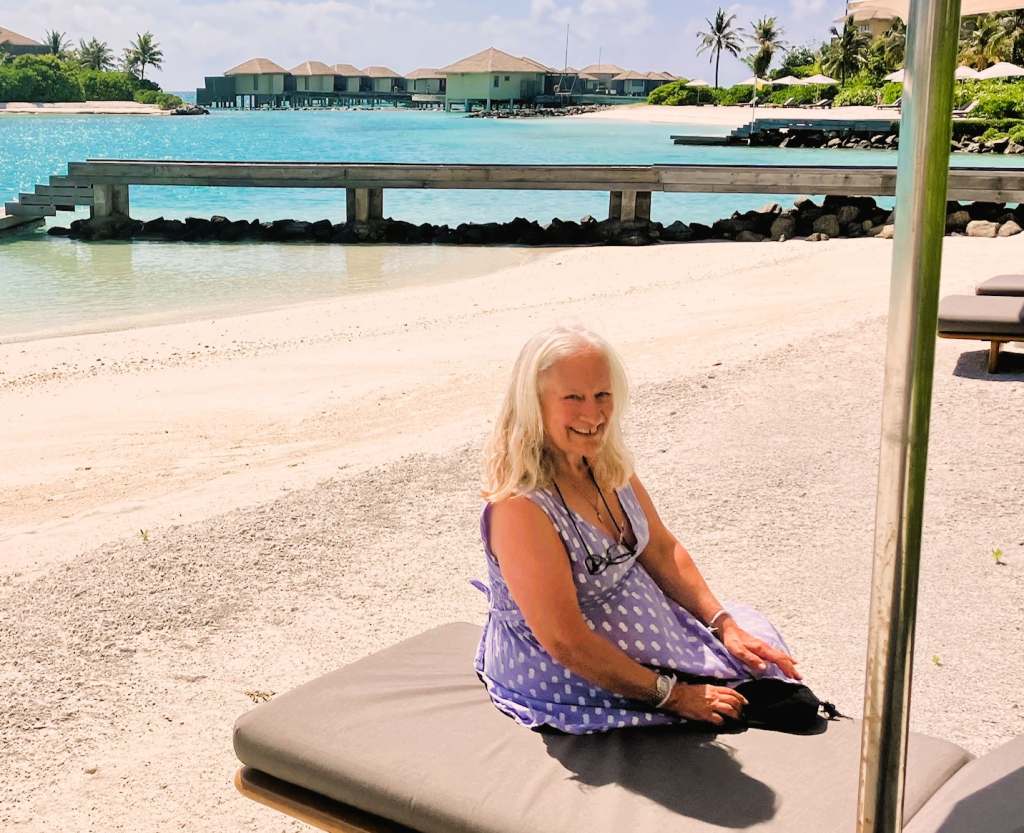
{"x":993,"y":355}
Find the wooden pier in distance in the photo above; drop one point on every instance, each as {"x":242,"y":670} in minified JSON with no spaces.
{"x":103,"y":185}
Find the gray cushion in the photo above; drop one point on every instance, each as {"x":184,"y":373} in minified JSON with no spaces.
{"x":409,"y":734}
{"x":983,"y":315}
{"x":1002,"y":285}
{"x":986,"y":796}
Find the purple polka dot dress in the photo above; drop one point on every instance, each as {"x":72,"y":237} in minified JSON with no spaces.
{"x":625,"y":606}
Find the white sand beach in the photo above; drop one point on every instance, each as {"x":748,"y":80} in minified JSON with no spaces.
{"x":80,"y":108}
{"x":199,"y":510}
{"x":729,"y":116}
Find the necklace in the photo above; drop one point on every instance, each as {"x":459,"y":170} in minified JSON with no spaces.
{"x":592,"y":503}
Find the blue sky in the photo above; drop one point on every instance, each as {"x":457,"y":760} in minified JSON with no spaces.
{"x":205,"y":37}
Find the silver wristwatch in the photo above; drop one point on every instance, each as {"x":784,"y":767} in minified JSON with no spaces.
{"x":663,"y":689}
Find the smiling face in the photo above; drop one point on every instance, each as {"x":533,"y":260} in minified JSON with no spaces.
{"x":576,"y":405}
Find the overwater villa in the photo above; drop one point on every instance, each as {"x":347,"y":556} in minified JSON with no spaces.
{"x":14,"y":44}
{"x":488,"y":79}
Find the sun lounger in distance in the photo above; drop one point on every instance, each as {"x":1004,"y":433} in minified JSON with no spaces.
{"x":407,"y":740}
{"x":1002,"y":285}
{"x":997,"y":319}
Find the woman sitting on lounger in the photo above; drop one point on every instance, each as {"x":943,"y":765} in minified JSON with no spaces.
{"x":598,"y":617}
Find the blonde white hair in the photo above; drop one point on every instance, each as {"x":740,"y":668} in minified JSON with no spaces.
{"x":516,"y":459}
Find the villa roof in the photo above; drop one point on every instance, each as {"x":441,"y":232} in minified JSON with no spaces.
{"x":631,"y":75}
{"x":586,"y":76}
{"x":312,"y":68}
{"x":540,"y":67}
{"x":380,"y":72}
{"x":14,"y":39}
{"x":603,"y":69}
{"x":257,"y":66}
{"x":494,"y":60}
{"x":347,"y":69}
{"x":424,"y":72}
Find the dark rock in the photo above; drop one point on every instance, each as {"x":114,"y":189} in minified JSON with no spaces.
{"x":700,"y":231}
{"x":986,"y":210}
{"x":58,"y":231}
{"x":957,"y":220}
{"x":847,"y":214}
{"x":677,"y":232}
{"x":749,"y":237}
{"x":826,"y":224}
{"x":784,"y":226}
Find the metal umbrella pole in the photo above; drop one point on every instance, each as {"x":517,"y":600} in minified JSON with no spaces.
{"x":923,"y":166}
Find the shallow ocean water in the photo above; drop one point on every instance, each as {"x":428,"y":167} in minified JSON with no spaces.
{"x":52,"y":285}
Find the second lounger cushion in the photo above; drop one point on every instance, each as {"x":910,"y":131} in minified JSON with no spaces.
{"x":986,"y":796}
{"x":983,"y":315}
{"x":409,"y":734}
{"x":1002,"y":285}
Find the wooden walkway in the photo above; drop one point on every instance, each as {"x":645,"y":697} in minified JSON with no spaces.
{"x":103,"y":185}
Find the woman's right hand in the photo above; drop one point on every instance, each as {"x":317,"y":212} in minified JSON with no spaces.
{"x":708,"y":703}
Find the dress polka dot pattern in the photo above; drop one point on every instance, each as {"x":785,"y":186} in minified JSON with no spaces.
{"x":624,"y":605}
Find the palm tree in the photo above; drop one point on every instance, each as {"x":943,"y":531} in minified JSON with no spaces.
{"x":721,"y":36}
{"x":894,"y":44}
{"x":845,"y":53}
{"x":1014,"y":24}
{"x":95,"y":54}
{"x":984,"y":41}
{"x":766,"y":40}
{"x":147,"y":52}
{"x":56,"y":44}
{"x":129,"y":61}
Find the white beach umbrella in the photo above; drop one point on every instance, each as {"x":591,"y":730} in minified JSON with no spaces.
{"x":896,"y":76}
{"x":697,"y":84}
{"x":1001,"y":70}
{"x":820,"y":79}
{"x":965,"y":73}
{"x":901,"y":8}
{"x":789,"y":81}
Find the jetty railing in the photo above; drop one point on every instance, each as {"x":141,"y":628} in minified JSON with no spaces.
{"x":103,"y":184}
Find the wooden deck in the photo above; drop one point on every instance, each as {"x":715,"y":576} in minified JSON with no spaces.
{"x":103,"y":185}
{"x":809,"y":124}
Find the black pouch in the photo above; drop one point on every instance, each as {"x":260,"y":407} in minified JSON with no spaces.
{"x":784,"y":707}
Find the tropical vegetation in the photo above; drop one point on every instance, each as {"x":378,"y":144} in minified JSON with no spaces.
{"x":88,"y":72}
{"x":858,"y":62}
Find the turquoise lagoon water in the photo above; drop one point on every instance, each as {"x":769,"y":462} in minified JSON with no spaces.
{"x":57,"y":285}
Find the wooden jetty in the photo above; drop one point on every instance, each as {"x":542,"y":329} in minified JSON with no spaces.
{"x":103,"y":184}
{"x":758,"y":131}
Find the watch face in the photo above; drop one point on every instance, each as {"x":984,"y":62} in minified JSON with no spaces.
{"x":664,"y":684}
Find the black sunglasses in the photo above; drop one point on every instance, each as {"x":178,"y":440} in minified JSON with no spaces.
{"x":615,"y":553}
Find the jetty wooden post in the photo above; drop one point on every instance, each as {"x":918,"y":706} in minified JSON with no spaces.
{"x":364,"y":205}
{"x":109,"y":199}
{"x":630,"y":206}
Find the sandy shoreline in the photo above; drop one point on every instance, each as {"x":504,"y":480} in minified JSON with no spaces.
{"x":306,"y":477}
{"x":730,"y":117}
{"x":80,"y":108}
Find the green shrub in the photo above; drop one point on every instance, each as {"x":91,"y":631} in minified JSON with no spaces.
{"x":891,"y":91}
{"x":856,"y":97}
{"x":799,"y":94}
{"x":106,"y":86}
{"x":991,"y":134}
{"x":740,"y":94}
{"x":39,"y":78}
{"x":167,"y":101}
{"x":674,"y":94}
{"x":146,"y":96}
{"x":1016,"y":133}
{"x":1005,"y":103}
{"x":977,"y":127}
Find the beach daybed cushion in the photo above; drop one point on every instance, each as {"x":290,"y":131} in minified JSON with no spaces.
{"x":408,"y":735}
{"x":996,"y":319}
{"x":1002,"y":285}
{"x":986,"y":795}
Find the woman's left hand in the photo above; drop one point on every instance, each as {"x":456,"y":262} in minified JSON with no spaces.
{"x":753,"y":652}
